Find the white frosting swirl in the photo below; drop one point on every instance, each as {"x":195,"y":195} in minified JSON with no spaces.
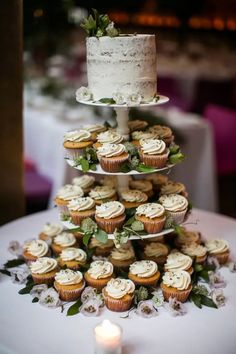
{"x":103,"y":192}
{"x":152,"y":146}
{"x":144,"y":268}
{"x":95,"y":243}
{"x":123,"y":253}
{"x":117,"y":288}
{"x":186,"y":237}
{"x":172,"y":188}
{"x":156,"y":249}
{"x":69,"y":191}
{"x":161,"y":131}
{"x":150,"y":210}
{"x":68,"y":277}
{"x":139,"y":134}
{"x":217,"y":246}
{"x":73,"y":254}
{"x":110,"y":210}
{"x":81,"y":204}
{"x":134,"y":195}
{"x":179,"y":279}
{"x":109,"y":136}
{"x":194,"y":250}
{"x":43,"y":265}
{"x":37,"y":248}
{"x":141,"y":184}
{"x":178,"y":261}
{"x":110,"y":150}
{"x":52,"y":230}
{"x":100,"y":269}
{"x":77,"y":136}
{"x":94,"y":128}
{"x":84,"y":181}
{"x":65,"y":239}
{"x":174,"y":202}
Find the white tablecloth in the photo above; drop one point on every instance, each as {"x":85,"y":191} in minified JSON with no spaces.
{"x":27,"y":328}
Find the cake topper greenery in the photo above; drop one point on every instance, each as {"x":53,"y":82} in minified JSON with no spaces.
{"x":98,"y":25}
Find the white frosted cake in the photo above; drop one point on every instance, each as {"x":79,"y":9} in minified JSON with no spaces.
{"x":123,"y":65}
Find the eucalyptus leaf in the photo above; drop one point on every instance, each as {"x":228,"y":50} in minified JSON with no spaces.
{"x":178,"y":229}
{"x":35,"y":299}
{"x":204,"y":275}
{"x":74,"y":309}
{"x":198,"y":267}
{"x":101,"y":236}
{"x":14,"y":263}
{"x":93,"y":167}
{"x":143,"y":168}
{"x":26,"y":290}
{"x":125,"y":168}
{"x":86,"y":239}
{"x":137,"y":226}
{"x":196,"y":299}
{"x":176,"y":158}
{"x":84,"y":165}
{"x":208,"y":302}
{"x":174,"y":149}
{"x":5,"y":272}
{"x":130,"y":221}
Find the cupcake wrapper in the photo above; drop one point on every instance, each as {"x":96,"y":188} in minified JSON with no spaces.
{"x":111,"y":165}
{"x":74,"y":153}
{"x":110,"y":225}
{"x":177,"y":216}
{"x":117,"y":305}
{"x":222,"y":258}
{"x":181,"y":295}
{"x":153,"y":227}
{"x":76,"y":219}
{"x":97,"y":283}
{"x":45,"y":280}
{"x":70,"y":295}
{"x":154,"y":160}
{"x":63,"y":210}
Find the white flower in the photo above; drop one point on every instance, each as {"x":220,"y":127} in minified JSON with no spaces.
{"x":90,"y":308}
{"x":214,"y":262}
{"x":83,"y":94}
{"x":218,"y":297}
{"x":146,"y":309}
{"x":157,"y":299}
{"x":118,"y":98}
{"x":175,"y":308}
{"x":20,"y":274}
{"x":216,"y":280}
{"x":88,"y":294}
{"x":15,"y":248}
{"x":49,"y":298}
{"x":232,"y":266}
{"x":38,"y":289}
{"x":134,"y":100}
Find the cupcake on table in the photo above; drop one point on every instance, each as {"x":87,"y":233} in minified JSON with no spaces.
{"x":186,"y":237}
{"x":172,"y":187}
{"x":152,"y":215}
{"x":112,"y":157}
{"x":176,"y":284}
{"x":101,"y":194}
{"x":132,"y":198}
{"x":156,"y":252}
{"x":219,"y":249}
{"x":195,"y":251}
{"x":85,"y":182}
{"x":43,"y":270}
{"x":99,"y":273}
{"x":65,"y":194}
{"x":76,"y":141}
{"x":175,"y":205}
{"x":99,"y":248}
{"x":143,"y":185}
{"x":144,"y":273}
{"x":35,"y":249}
{"x":110,"y":216}
{"x":122,"y":257}
{"x":81,"y":208}
{"x":49,"y":231}
{"x":62,"y":241}
{"x":108,"y":137}
{"x":119,"y":294}
{"x":72,"y":258}
{"x":153,"y":153}
{"x":162,"y":132}
{"x":178,"y":261}
{"x":69,"y":284}
{"x":139,"y":135}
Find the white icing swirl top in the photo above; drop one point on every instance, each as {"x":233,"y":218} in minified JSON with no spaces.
{"x":141,"y":184}
{"x":172,"y":188}
{"x":69,"y":191}
{"x":73,"y":254}
{"x":161,"y":131}
{"x":43,"y":265}
{"x":77,"y":136}
{"x":152,"y":146}
{"x":139,"y":134}
{"x":174,"y":202}
{"x":143,"y":269}
{"x":110,"y":150}
{"x":179,"y":279}
{"x":150,"y":210}
{"x":177,"y":260}
{"x":194,"y":250}
{"x":68,"y":277}
{"x":94,"y":128}
{"x":37,"y":248}
{"x":103,"y":192}
{"x":156,"y":249}
{"x":117,"y":288}
{"x":52,"y":230}
{"x":134,"y":195}
{"x":217,"y":246}
{"x":65,"y":239}
{"x":109,"y":136}
{"x":84,"y":181}
{"x":81,"y":204}
{"x":110,"y":210}
{"x":95,"y":243}
{"x":123,"y":253}
{"x":186,"y":237}
{"x":100,"y":269}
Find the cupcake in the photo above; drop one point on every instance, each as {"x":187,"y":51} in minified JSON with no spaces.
{"x":61,"y":241}
{"x":144,"y":273}
{"x":137,"y":125}
{"x":65,"y":194}
{"x":69,"y":284}
{"x":186,"y":237}
{"x":43,"y":270}
{"x":119,"y":294}
{"x":176,"y":206}
{"x":122,"y":257}
{"x":72,"y":258}
{"x":172,"y":187}
{"x":110,"y":216}
{"x":110,"y":136}
{"x":132,"y":198}
{"x":139,"y":134}
{"x":81,"y":208}
{"x":109,"y":181}
{"x":176,"y":284}
{"x":103,"y":194}
{"x":178,"y":261}
{"x":112,"y":157}
{"x":49,"y":231}
{"x":95,"y":129}
{"x":195,"y":251}
{"x":152,"y":215}
{"x":219,"y":249}
{"x":99,"y":248}
{"x":142,"y":185}
{"x":76,"y":141}
{"x":85,"y":182}
{"x":162,"y":132}
{"x":157,"y":180}
{"x":156,"y":252}
{"x":98,"y":274}
{"x":153,"y":153}
{"x":35,"y":249}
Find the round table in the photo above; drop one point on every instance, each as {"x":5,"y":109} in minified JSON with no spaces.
{"x":30,"y":328}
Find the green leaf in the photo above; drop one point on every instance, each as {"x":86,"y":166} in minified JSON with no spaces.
{"x":178,"y":229}
{"x":208,"y":302}
{"x":143,"y":168}
{"x":125,"y":168}
{"x":88,"y":226}
{"x":176,"y":158}
{"x":74,"y":309}
{"x":93,"y":167}
{"x":137,"y":226}
{"x":130,"y":221}
{"x":196,"y":299}
{"x":107,"y":100}
{"x":26,"y":290}
{"x":76,"y":229}
{"x":6,"y":272}
{"x":204,"y":275}
{"x":174,"y":149}
{"x":130,"y":212}
{"x":84,"y":165}
{"x":35,"y":299}
{"x":86,"y":239}
{"x":101,"y":236}
{"x":198,"y":267}
{"x":14,"y":263}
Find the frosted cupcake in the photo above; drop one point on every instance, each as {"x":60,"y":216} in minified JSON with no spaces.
{"x":219,"y":249}
{"x":72,"y":258}
{"x":103,"y":194}
{"x":95,"y":129}
{"x":178,"y":261}
{"x":85,"y":182}
{"x":139,"y":135}
{"x":76,"y":141}
{"x":101,"y":249}
{"x":35,"y":249}
{"x":157,"y":180}
{"x":110,"y":136}
{"x":137,"y":125}
{"x":110,"y":216}
{"x":65,"y":194}
{"x":156,"y":252}
{"x":49,"y":231}
{"x":112,"y":157}
{"x":109,"y":181}
{"x":61,"y":241}
{"x":98,"y":274}
{"x":196,"y":252}
{"x":43,"y":270}
{"x":122,"y":257}
{"x":142,"y":185}
{"x":132,"y":198}
{"x":152,"y":215}
{"x":144,"y":273}
{"x":186,"y":237}
{"x":119,"y":294}
{"x":69,"y":284}
{"x":81,"y":208}
{"x":176,"y":284}
{"x":153,"y":153}
{"x":173,"y":188}
{"x":175,"y":205}
{"x":162,"y":132}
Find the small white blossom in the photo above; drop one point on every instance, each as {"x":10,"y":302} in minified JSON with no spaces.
{"x":157,"y":299}
{"x":118,"y":98}
{"x":214,"y":262}
{"x":146,"y":309}
{"x":49,"y":298}
{"x":88,"y":294}
{"x":20,"y":274}
{"x":37,"y":290}
{"x":134,"y":100}
{"x":232,"y":266}
{"x":15,"y":248}
{"x":90,"y":308}
{"x":83,"y":94}
{"x":216,"y":280}
{"x":175,"y":307}
{"x":218,"y":297}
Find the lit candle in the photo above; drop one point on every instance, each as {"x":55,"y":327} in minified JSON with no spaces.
{"x":107,"y":338}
